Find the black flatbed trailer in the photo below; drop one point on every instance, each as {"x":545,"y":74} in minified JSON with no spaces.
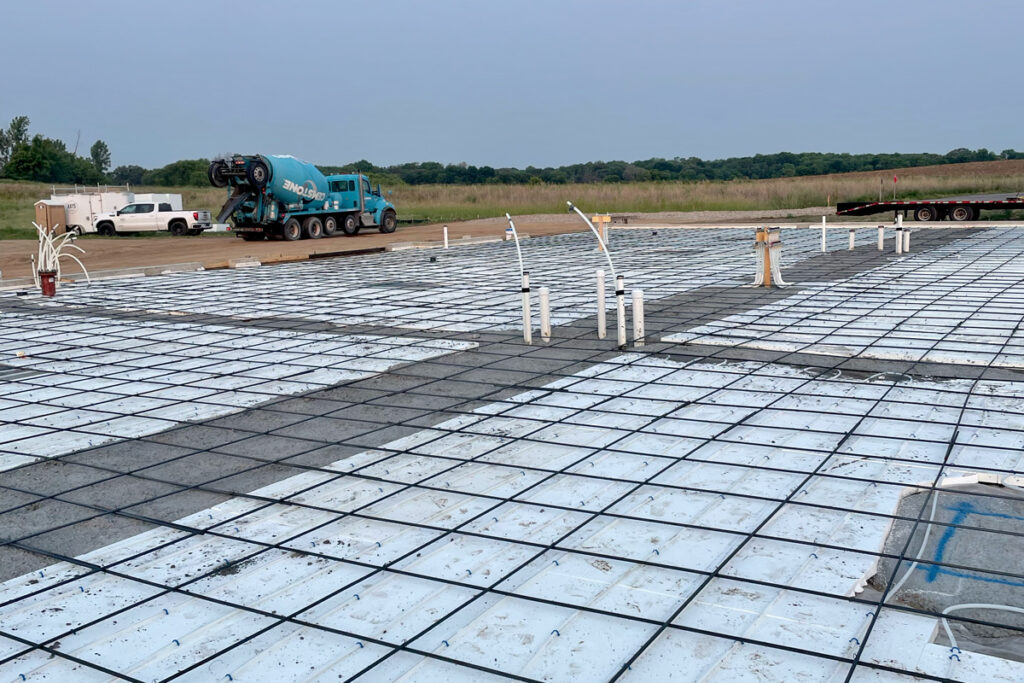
{"x":954,"y":209}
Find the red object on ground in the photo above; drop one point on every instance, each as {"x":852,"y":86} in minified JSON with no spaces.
{"x":48,"y":282}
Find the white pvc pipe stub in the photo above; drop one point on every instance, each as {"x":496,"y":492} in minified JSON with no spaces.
{"x":620,"y":309}
{"x":527,"y":318}
{"x":638,"y":317}
{"x":545,"y":314}
{"x":602,"y":325}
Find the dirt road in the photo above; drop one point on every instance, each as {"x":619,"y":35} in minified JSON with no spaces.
{"x":215,"y":250}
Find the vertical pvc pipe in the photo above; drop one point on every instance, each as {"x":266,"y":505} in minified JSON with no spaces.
{"x":906,"y":240}
{"x":446,"y":237}
{"x":638,"y":317}
{"x":527,"y":321}
{"x":852,"y":233}
{"x":545,"y":314}
{"x":620,"y":306}
{"x":604,"y":232}
{"x":881,"y":238}
{"x":824,"y":244}
{"x":899,"y":234}
{"x":602,"y":325}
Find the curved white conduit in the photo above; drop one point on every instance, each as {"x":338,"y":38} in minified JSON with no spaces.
{"x":604,"y":247}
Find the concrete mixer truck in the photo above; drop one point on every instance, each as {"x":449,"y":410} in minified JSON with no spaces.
{"x":282,"y":197}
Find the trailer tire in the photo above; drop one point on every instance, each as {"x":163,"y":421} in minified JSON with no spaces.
{"x":349,"y":224}
{"x":388,"y":221}
{"x":106,"y":228}
{"x":178,"y":228}
{"x":313,"y":228}
{"x":217,"y":172}
{"x":962,"y":213}
{"x":292,"y":230}
{"x":330,"y":226}
{"x":926,"y":213}
{"x":258,"y":174}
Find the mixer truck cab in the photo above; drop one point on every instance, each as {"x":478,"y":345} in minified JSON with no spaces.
{"x":282,"y":197}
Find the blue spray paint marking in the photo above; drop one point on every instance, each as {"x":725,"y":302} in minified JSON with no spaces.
{"x":963,"y":510}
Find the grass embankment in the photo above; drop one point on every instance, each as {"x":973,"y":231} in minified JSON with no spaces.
{"x":436,"y":203}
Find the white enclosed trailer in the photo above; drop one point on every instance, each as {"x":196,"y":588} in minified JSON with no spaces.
{"x":84,"y":204}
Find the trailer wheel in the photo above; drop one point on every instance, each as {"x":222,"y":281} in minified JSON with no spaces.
{"x":330,"y":226}
{"x":926,"y":213}
{"x":178,"y":228}
{"x":217,"y":173}
{"x":962,"y":213}
{"x":258,"y":174}
{"x":292,"y":230}
{"x":106,"y":229}
{"x":388,"y":222}
{"x":349,"y":225}
{"x":313,"y":228}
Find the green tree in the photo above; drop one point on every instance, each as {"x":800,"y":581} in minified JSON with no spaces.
{"x":100,"y":155}
{"x":15,"y":135}
{"x":128,"y":175}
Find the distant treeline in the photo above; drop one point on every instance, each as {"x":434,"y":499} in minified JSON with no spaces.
{"x":48,"y":160}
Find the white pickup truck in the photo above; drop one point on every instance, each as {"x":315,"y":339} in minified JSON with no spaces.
{"x":149,"y":217}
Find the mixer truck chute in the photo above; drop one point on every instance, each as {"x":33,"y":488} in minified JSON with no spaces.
{"x":282,"y":197}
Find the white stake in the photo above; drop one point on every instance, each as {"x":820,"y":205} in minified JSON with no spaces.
{"x":602,"y":326}
{"x":446,"y":237}
{"x":824,"y":243}
{"x":527,"y":318}
{"x":852,"y":233}
{"x":545,"y":314}
{"x":620,"y":308}
{"x":638,"y":317}
{"x":881,"y":238}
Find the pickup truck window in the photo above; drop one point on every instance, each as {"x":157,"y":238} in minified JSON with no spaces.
{"x":129,"y":209}
{"x":164,"y":206}
{"x":143,"y":208}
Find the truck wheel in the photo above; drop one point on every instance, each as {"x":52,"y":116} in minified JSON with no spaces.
{"x":349,"y":225}
{"x":962,"y":213}
{"x":217,"y":173}
{"x":313,"y":228}
{"x":178,"y":228}
{"x":258,"y":174}
{"x":330,"y":226}
{"x":292,"y":230}
{"x":388,"y":222}
{"x":926,"y":213}
{"x":106,"y":229}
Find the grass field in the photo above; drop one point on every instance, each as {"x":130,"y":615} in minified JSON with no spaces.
{"x":436,"y":203}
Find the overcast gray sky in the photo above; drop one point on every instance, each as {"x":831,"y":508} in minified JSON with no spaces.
{"x":515,"y":82}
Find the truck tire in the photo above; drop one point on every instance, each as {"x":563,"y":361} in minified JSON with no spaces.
{"x":349,"y":224}
{"x":178,"y":228}
{"x":258,"y":174}
{"x":926,"y":213}
{"x":313,"y":228}
{"x":330,"y":226}
{"x":388,"y":221}
{"x":292,"y":230}
{"x":217,"y":174}
{"x":106,"y":228}
{"x":962,"y":213}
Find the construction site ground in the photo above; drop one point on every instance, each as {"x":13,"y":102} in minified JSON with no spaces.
{"x":217,"y":250}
